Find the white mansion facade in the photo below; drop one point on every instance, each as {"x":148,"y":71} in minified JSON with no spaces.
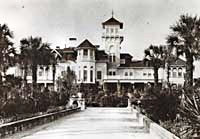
{"x":107,"y":65}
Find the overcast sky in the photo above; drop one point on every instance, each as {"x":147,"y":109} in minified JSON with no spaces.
{"x":145,"y":21}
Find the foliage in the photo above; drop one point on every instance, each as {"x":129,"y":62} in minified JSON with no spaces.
{"x":66,"y":81}
{"x":7,"y":50}
{"x":190,"y":112}
{"x":154,"y":56}
{"x":185,"y":38}
{"x":161,"y":104}
{"x":34,"y":53}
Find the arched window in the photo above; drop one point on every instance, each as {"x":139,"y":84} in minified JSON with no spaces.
{"x":174,"y":73}
{"x":180,"y":72}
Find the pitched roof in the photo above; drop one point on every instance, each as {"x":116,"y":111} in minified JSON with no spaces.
{"x":136,"y":63}
{"x":112,"y":21}
{"x":86,"y":44}
{"x":125,"y":56}
{"x":101,"y":55}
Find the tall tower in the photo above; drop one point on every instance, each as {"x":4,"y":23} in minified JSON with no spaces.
{"x":112,"y":39}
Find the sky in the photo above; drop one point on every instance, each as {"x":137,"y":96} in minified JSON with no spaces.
{"x":145,"y":21}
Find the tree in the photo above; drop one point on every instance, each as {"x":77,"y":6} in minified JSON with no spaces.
{"x":185,"y":38}
{"x":34,"y":53}
{"x":67,"y":81}
{"x":6,"y":49}
{"x":154,"y":55}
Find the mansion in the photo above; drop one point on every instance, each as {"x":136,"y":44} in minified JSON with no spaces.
{"x":105,"y":65}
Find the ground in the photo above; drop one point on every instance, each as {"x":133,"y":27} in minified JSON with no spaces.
{"x":93,"y":123}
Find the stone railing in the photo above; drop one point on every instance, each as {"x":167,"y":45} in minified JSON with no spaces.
{"x":21,"y":125}
{"x":152,"y":127}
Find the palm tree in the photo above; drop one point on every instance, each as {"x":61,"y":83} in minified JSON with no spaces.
{"x":186,"y":40}
{"x":6,"y":49}
{"x":154,"y":55}
{"x":34,"y":53}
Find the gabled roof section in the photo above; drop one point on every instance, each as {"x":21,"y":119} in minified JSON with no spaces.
{"x":125,"y":56}
{"x":86,"y":44}
{"x":57,"y":52}
{"x":101,"y":55}
{"x":112,"y":21}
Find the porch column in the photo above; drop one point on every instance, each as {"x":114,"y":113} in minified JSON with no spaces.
{"x":104,"y":87}
{"x":118,"y":87}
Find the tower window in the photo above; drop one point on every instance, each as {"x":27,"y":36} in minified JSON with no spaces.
{"x":91,"y":75}
{"x":107,"y":30}
{"x":91,"y":53}
{"x":116,"y":30}
{"x":85,"y":75}
{"x":111,"y":30}
{"x":114,"y":58}
{"x":85,"y":52}
{"x":110,"y":58}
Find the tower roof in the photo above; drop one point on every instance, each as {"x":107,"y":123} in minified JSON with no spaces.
{"x":112,"y":21}
{"x":86,"y":44}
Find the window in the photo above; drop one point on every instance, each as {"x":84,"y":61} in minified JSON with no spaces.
{"x":180,"y":72}
{"x":99,"y":75}
{"x":111,"y":30}
{"x":107,"y":30}
{"x":84,"y":75}
{"x":85,"y":52}
{"x":91,"y":75}
{"x":91,"y":67}
{"x":40,"y":73}
{"x":116,"y":30}
{"x":85,"y":67}
{"x":149,"y":74}
{"x":110,"y":58}
{"x":174,"y":72}
{"x":131,"y":73}
{"x":114,"y":58}
{"x":126,"y":74}
{"x":144,"y":74}
{"x":91,"y":53}
{"x":112,"y":73}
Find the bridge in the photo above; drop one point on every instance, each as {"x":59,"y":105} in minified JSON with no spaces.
{"x":94,"y":123}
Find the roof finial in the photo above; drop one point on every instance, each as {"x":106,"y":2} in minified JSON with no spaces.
{"x":112,"y":13}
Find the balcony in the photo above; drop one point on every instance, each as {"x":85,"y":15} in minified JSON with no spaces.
{"x":131,"y":79}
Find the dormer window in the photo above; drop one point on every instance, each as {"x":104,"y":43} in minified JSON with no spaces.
{"x":111,"y":30}
{"x":91,"y":53}
{"x":85,"y":52}
{"x":107,"y":30}
{"x":116,"y":30}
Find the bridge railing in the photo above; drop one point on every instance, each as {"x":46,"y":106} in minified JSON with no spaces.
{"x":21,"y":125}
{"x":152,"y":127}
